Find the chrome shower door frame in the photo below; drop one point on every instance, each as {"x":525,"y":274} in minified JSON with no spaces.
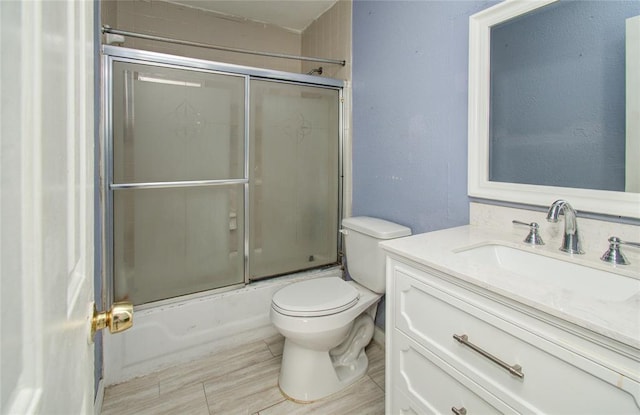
{"x":112,"y":54}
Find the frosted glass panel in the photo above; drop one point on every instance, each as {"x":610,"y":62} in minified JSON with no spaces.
{"x":175,"y":125}
{"x":294,"y":177}
{"x":171,"y":242}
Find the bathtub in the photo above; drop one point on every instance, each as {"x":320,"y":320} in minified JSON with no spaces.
{"x":179,"y":331}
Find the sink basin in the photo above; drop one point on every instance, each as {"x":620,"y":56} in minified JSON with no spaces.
{"x":582,"y":280}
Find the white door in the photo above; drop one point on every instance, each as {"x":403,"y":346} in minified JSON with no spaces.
{"x":46,"y":206}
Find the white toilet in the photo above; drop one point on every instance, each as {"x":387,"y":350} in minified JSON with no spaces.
{"x":327,"y":322}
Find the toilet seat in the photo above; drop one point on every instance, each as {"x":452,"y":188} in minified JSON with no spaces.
{"x":316,"y":297}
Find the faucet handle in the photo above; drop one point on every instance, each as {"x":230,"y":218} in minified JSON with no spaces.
{"x":614,"y":255}
{"x":534,"y":237}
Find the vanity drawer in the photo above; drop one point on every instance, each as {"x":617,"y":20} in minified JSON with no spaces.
{"x":424,"y":384}
{"x":555,"y":380}
{"x":402,"y":405}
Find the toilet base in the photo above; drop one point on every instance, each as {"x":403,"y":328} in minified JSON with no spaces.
{"x":307,"y":375}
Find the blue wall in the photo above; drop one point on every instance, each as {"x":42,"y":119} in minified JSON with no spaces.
{"x":410,"y":112}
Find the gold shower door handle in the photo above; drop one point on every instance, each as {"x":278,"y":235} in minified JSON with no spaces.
{"x":119,"y":318}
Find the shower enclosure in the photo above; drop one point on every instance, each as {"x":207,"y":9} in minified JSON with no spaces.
{"x":216,"y":174}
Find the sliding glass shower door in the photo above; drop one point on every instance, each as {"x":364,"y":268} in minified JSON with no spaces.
{"x":294,"y":177}
{"x":216,"y":179}
{"x":178,"y":181}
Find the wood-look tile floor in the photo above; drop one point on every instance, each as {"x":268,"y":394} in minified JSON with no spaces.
{"x":240,"y":381}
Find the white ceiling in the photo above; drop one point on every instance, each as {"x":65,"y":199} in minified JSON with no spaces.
{"x":294,"y":15}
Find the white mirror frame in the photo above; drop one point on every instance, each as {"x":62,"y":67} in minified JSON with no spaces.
{"x":586,"y":200}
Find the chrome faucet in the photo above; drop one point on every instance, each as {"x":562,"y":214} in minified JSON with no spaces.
{"x":571,"y":239}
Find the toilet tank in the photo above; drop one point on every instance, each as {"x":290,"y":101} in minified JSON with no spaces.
{"x":365,"y":259}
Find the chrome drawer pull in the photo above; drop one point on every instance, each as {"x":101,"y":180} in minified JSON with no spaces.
{"x":515,"y":370}
{"x":461,"y":411}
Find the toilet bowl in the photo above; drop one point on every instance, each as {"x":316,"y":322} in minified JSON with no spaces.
{"x":309,"y":371}
{"x":327,"y":322}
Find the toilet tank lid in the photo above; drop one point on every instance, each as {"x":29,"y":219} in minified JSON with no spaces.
{"x":378,"y":228}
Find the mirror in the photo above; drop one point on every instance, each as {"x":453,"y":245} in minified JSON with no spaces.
{"x":546,"y":114}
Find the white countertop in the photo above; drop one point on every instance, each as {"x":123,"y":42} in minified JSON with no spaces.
{"x":619,"y":320}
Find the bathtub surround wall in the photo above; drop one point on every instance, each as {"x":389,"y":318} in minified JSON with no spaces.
{"x":329,"y":36}
{"x":187,"y":23}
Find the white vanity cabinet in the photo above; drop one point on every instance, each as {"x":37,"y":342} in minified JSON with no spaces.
{"x":454,"y":347}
